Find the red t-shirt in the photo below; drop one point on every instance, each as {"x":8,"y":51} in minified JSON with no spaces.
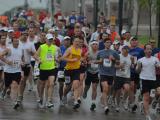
{"x":57,"y":42}
{"x":113,"y":36}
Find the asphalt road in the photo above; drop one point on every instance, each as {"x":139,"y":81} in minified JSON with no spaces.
{"x":31,"y":112}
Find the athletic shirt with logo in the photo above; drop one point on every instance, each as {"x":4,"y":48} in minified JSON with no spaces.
{"x":75,"y":53}
{"x":124,"y":72}
{"x":15,"y":56}
{"x":148,"y":71}
{"x":47,"y":57}
{"x":92,"y":68}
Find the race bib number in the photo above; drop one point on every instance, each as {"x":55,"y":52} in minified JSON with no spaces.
{"x":36,"y":70}
{"x":73,"y":21}
{"x":49,"y":56}
{"x":123,"y":71}
{"x":60,"y":74}
{"x":67,"y":79}
{"x":94,"y":65}
{"x":107,"y":63}
{"x":152,"y":93}
{"x":16,"y":63}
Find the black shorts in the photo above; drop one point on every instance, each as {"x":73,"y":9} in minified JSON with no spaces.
{"x":107,"y":78}
{"x":44,"y":74}
{"x":9,"y":77}
{"x":120,"y":81}
{"x":91,"y":78}
{"x":148,"y":85}
{"x":83,"y":69}
{"x":71,"y":75}
{"x":158,"y":80}
{"x":33,"y":63}
{"x":135,"y":78}
{"x":26,"y":69}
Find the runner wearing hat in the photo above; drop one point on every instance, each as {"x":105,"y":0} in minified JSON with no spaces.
{"x":45,"y":55}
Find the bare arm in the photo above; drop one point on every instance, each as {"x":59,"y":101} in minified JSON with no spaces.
{"x":37,"y":54}
{"x":65,"y":56}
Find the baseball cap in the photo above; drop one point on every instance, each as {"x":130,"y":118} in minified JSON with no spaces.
{"x":125,"y":47}
{"x":66,"y":37}
{"x":152,"y":40}
{"x":4,"y":29}
{"x":116,"y":42}
{"x":49,"y":36}
{"x":134,"y":38}
{"x":123,"y":31}
{"x":10,"y":30}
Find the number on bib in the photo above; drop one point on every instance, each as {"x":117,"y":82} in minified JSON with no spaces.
{"x":60,"y":74}
{"x":73,"y":21}
{"x":16,"y":64}
{"x":107,"y":63}
{"x":67,"y":79}
{"x":94,"y":65}
{"x":49,"y":56}
{"x":152,"y":93}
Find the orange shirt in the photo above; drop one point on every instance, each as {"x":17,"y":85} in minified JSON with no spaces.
{"x":113,"y":36}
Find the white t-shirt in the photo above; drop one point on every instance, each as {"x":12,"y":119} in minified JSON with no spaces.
{"x":14,"y":56}
{"x":34,"y":40}
{"x":125,"y":72}
{"x":27,"y":46}
{"x":148,"y":71}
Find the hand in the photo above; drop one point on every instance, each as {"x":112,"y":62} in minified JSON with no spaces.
{"x":111,"y":58}
{"x":122,"y":65}
{"x":22,"y":64}
{"x":74,"y":60}
{"x":132,"y":59}
{"x":9,"y":62}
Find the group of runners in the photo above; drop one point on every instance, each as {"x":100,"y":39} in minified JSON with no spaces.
{"x":118,"y":65}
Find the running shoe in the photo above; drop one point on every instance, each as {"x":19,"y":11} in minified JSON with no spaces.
{"x":76,"y":105}
{"x":50,"y":104}
{"x":93,"y":107}
{"x":106,"y":110}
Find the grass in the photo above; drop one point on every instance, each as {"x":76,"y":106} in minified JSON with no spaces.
{"x":143,"y":39}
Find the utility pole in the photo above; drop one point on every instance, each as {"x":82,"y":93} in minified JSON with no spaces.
{"x":120,"y":16}
{"x":95,"y":6}
{"x":26,"y":4}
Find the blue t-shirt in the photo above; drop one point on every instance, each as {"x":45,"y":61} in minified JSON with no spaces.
{"x":155,"y":51}
{"x":62,"y":63}
{"x":136,"y":52}
{"x":80,"y":19}
{"x":101,"y":45}
{"x":72,"y":20}
{"x":104,"y":55}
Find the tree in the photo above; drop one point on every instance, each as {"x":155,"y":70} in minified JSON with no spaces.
{"x":130,"y":13}
{"x":140,"y":5}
